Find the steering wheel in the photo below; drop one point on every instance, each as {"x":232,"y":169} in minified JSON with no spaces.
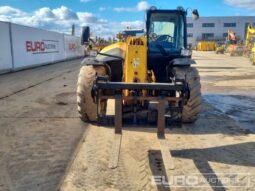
{"x":153,"y":36}
{"x":165,"y":37}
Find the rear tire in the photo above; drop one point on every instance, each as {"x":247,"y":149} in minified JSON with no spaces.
{"x":193,"y":107}
{"x":86,"y":107}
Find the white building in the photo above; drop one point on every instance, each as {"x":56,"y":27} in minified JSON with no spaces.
{"x":216,"y":28}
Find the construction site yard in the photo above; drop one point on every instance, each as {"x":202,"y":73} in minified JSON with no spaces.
{"x":44,"y":146}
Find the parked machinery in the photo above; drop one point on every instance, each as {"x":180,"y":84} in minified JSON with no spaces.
{"x":252,"y":55}
{"x":232,"y":46}
{"x":206,"y":46}
{"x":249,"y":50}
{"x":150,"y":78}
{"x":122,"y":36}
{"x":132,"y":32}
{"x":220,"y":48}
{"x":92,"y":44}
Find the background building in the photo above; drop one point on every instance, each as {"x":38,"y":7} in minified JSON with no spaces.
{"x":216,"y":28}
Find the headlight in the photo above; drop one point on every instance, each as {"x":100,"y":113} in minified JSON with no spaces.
{"x":186,"y":52}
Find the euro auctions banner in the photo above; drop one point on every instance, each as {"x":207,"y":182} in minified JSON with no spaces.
{"x":5,"y":48}
{"x":42,"y":46}
{"x":72,"y":46}
{"x":33,"y":46}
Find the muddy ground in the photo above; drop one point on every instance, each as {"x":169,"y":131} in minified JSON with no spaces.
{"x":44,"y":146}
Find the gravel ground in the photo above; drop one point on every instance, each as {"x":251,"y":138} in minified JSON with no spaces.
{"x":39,"y":126}
{"x":44,"y":146}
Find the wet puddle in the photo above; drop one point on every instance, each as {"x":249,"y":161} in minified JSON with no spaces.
{"x":240,"y":108}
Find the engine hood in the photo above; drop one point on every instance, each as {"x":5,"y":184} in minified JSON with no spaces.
{"x":118,"y":49}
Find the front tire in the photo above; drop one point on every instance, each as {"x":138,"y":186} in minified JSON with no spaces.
{"x":193,"y":107}
{"x":86,"y":107}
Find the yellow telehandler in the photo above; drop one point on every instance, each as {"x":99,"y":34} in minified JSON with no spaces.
{"x":150,"y":77}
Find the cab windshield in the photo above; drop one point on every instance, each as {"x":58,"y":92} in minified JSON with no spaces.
{"x":166,"y":33}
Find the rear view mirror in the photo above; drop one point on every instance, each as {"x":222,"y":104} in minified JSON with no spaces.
{"x":195,"y":14}
{"x":85,"y":34}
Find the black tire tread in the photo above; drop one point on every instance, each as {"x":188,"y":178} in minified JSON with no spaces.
{"x":193,"y":107}
{"x":87,"y":109}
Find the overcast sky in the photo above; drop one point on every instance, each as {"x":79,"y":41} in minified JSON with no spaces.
{"x":106,"y":17}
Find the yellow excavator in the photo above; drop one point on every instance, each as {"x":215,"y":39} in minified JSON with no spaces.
{"x":150,"y":77}
{"x":250,"y":44}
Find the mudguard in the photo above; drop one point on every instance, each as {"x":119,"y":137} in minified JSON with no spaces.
{"x":110,"y":53}
{"x":182,"y":62}
{"x":91,"y":61}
